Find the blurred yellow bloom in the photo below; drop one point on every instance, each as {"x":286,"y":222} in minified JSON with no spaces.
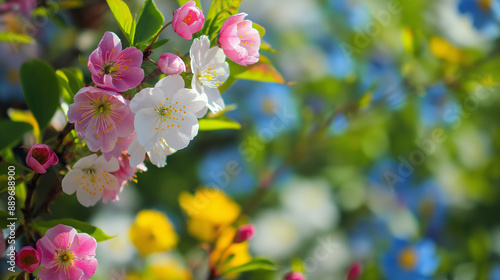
{"x":224,"y":248}
{"x":209,"y":211}
{"x":446,"y":51}
{"x":152,"y":232}
{"x":166,"y":269}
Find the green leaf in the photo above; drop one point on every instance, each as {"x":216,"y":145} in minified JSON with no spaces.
{"x":217,"y":124}
{"x":182,"y":2}
{"x":124,"y":18}
{"x":93,"y":231}
{"x":40,"y":89}
{"x":255,"y":264}
{"x":262,"y":30}
{"x":262,"y":71}
{"x":149,"y":23}
{"x":12,"y":132}
{"x":70,"y":82}
{"x":3,"y":219}
{"x":157,"y":44}
{"x":15,"y":38}
{"x":219,"y":11}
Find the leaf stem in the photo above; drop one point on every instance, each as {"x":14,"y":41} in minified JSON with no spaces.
{"x":147,"y":51}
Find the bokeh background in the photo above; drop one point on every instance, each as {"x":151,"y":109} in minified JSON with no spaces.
{"x":380,"y":152}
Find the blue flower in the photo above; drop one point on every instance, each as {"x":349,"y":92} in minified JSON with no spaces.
{"x":366,"y":236}
{"x":437,"y":106}
{"x":272,"y":109}
{"x":225,"y":168}
{"x":355,"y":13}
{"x":385,"y":82}
{"x":484,"y":14}
{"x":339,"y":124}
{"x":428,"y":202}
{"x":495,"y":273}
{"x":406,"y":261}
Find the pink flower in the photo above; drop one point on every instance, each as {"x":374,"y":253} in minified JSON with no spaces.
{"x":171,"y":64}
{"x":123,"y":175}
{"x":239,"y":40}
{"x":113,"y":68}
{"x":294,"y":276}
{"x":40,"y":157}
{"x":187,"y":20}
{"x":244,"y":233}
{"x":28,"y":259}
{"x":66,"y":254}
{"x":101,"y":116}
{"x":121,"y":146}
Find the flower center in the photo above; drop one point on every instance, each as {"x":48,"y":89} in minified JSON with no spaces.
{"x":408,"y":258}
{"x":189,"y":19}
{"x":41,"y":155}
{"x":101,"y":107}
{"x":268,"y":106}
{"x":91,"y":171}
{"x":485,"y":5}
{"x":164,"y":112}
{"x":64,"y":258}
{"x":110,"y":67}
{"x":209,"y":77}
{"x":29,"y":259}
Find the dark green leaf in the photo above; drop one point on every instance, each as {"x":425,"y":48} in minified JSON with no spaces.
{"x":40,"y":89}
{"x":15,"y":38}
{"x":3,"y":219}
{"x":149,"y":23}
{"x":124,"y":18}
{"x":12,"y":132}
{"x":255,"y":264}
{"x":93,"y":231}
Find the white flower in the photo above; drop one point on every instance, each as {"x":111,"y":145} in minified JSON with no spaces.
{"x":157,"y":155}
{"x":90,"y":176}
{"x":210,"y":71}
{"x":167,"y":112}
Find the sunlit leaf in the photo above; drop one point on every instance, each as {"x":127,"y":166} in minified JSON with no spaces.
{"x":182,"y":2}
{"x":124,"y":18}
{"x":219,"y":11}
{"x":18,"y":115}
{"x":15,"y":38}
{"x":218,"y":124}
{"x":255,"y":264}
{"x":262,"y":71}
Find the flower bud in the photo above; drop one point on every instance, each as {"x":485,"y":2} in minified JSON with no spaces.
{"x":354,"y":271}
{"x":28,"y":259}
{"x":244,"y":233}
{"x":40,"y":157}
{"x":171,"y":64}
{"x":188,"y":20}
{"x":294,"y":276}
{"x":239,"y":40}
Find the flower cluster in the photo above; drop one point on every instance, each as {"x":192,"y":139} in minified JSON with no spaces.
{"x":122,"y":126}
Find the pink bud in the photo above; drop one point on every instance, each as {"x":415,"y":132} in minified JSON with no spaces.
{"x":188,"y":20}
{"x":354,"y":271}
{"x":244,"y":233}
{"x":28,"y":259}
{"x":239,"y":40}
{"x":171,"y":64}
{"x":40,"y":157}
{"x":294,"y":276}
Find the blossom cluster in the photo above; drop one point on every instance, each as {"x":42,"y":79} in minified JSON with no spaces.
{"x":157,"y":121}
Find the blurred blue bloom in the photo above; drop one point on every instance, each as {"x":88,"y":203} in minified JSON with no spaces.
{"x":410,"y":261}
{"x":366,"y":236}
{"x":428,"y":202}
{"x":225,"y":168}
{"x":437,"y":106}
{"x":356,"y":13}
{"x":385,"y":81}
{"x":272,"y":108}
{"x":495,"y":273}
{"x":339,"y":63}
{"x":388,"y":175}
{"x":484,"y":14}
{"x":339,"y":124}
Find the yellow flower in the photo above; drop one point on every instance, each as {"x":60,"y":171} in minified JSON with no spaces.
{"x":446,"y":51}
{"x":209,"y":211}
{"x":152,"y":232}
{"x":224,"y":248}
{"x":166,"y":268}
